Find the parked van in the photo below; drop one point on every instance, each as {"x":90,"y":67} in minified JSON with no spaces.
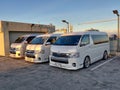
{"x":17,"y":49}
{"x":38,"y":50}
{"x":80,"y":49}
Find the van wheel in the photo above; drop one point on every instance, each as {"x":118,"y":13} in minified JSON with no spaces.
{"x":105,"y":55}
{"x":86,"y":62}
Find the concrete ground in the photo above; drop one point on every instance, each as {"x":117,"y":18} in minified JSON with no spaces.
{"x":16,"y":74}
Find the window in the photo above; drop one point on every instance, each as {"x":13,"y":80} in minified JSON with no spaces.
{"x":68,"y":40}
{"x":38,"y":40}
{"x":30,"y":38}
{"x":98,"y":39}
{"x":52,"y":40}
{"x":20,"y":39}
{"x":85,"y":40}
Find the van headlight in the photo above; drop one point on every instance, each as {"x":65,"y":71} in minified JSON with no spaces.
{"x":17,"y":49}
{"x":73,"y":55}
{"x":37,"y":51}
{"x":42,"y":51}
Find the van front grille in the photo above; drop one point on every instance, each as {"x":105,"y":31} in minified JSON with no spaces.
{"x":12,"y":52}
{"x":60,"y":55}
{"x":30,"y":51}
{"x":30,"y":55}
{"x":65,"y":61}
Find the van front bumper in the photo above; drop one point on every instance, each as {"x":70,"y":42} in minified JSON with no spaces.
{"x":29,"y":59}
{"x":36,"y":58}
{"x":15,"y":54}
{"x":70,"y":63}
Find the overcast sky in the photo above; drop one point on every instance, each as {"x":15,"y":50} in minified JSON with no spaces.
{"x":53,"y":11}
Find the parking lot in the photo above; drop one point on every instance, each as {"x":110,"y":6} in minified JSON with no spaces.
{"x":16,"y":74}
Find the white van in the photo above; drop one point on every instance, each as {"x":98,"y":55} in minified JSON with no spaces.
{"x":80,"y":49}
{"x":17,"y":49}
{"x":38,"y":50}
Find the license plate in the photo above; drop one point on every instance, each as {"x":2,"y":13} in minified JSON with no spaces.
{"x":58,"y":64}
{"x":30,"y":59}
{"x":12,"y":55}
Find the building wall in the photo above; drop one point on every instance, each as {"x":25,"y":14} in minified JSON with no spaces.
{"x":62,"y":30}
{"x":2,"y":44}
{"x":16,"y":26}
{"x":2,"y":51}
{"x":0,"y":27}
{"x":7,"y":27}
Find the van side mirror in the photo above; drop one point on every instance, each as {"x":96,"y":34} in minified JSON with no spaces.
{"x":48,"y":43}
{"x":83,"y":44}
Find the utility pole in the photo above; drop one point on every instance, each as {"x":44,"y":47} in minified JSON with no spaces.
{"x":67,"y":25}
{"x":118,"y":41}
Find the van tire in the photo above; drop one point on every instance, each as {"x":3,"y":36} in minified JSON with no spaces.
{"x":86,"y":63}
{"x":105,"y":55}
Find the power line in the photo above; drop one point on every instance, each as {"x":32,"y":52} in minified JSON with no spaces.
{"x":98,"y":21}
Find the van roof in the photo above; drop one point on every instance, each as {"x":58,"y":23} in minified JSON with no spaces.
{"x":86,"y":32}
{"x":48,"y":35}
{"x":27,"y":35}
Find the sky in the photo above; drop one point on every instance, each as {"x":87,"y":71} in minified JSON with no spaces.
{"x":53,"y":12}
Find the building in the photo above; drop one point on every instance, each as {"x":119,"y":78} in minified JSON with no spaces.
{"x":61,"y":30}
{"x":9,"y":31}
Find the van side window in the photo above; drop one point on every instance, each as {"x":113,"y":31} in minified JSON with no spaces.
{"x":99,"y":39}
{"x":30,"y":38}
{"x":85,"y":40}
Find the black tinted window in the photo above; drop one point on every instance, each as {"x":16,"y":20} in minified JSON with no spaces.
{"x":30,"y":38}
{"x":20,"y":39}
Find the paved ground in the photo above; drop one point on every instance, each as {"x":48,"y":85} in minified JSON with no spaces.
{"x":16,"y":74}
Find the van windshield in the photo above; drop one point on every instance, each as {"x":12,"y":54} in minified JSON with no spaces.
{"x":68,"y":40}
{"x":52,"y":39}
{"x":20,"y":39}
{"x":38,"y":40}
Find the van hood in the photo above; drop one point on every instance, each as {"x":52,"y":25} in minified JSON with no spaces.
{"x":16,"y":45}
{"x":63,"y":49}
{"x":33,"y":47}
